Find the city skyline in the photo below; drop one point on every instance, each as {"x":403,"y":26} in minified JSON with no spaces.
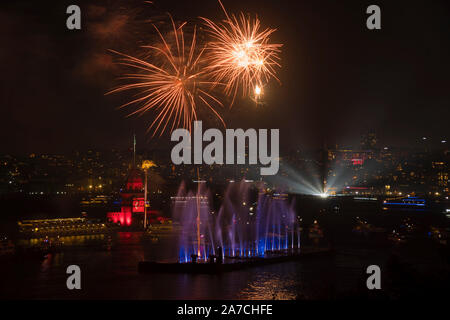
{"x":370,"y":165}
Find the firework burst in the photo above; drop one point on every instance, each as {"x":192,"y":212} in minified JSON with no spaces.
{"x":239,"y":55}
{"x":169,"y":81}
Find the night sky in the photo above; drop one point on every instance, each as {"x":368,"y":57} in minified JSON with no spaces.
{"x":338,"y":79}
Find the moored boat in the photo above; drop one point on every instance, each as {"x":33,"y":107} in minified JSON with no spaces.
{"x":405,"y":204}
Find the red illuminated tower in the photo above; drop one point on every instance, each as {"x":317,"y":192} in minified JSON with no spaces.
{"x":132,"y":196}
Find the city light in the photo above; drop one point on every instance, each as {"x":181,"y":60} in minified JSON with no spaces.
{"x":147,"y":164}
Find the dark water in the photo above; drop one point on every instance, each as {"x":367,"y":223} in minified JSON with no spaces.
{"x":112,"y":274}
{"x":418,"y":269}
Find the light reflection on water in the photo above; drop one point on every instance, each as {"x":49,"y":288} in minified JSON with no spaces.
{"x":68,"y":240}
{"x":112,"y":274}
{"x":269,"y":286}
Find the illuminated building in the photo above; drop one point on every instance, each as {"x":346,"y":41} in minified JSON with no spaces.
{"x":369,"y":141}
{"x":132,"y":200}
{"x":349,"y":156}
{"x":61,"y":226}
{"x":133,"y":197}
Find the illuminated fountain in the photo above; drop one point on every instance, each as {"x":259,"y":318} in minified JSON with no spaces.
{"x":192,"y":210}
{"x":249,"y":224}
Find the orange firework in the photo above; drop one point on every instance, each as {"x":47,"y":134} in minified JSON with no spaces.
{"x":240,"y":55}
{"x":170,"y":82}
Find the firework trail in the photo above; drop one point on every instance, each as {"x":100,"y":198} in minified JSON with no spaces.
{"x":239,"y":55}
{"x":170,"y":80}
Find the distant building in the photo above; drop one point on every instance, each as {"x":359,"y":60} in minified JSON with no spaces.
{"x":369,"y":141}
{"x":132,"y":201}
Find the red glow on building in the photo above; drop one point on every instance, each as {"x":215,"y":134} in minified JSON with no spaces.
{"x":133,"y":204}
{"x":134,"y":182}
{"x":138,"y":205}
{"x":357,"y":162}
{"x":132,"y":200}
{"x":124,"y":217}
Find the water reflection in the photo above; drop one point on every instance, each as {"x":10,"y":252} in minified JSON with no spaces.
{"x":112,"y":273}
{"x":270,"y":286}
{"x":78,"y":240}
